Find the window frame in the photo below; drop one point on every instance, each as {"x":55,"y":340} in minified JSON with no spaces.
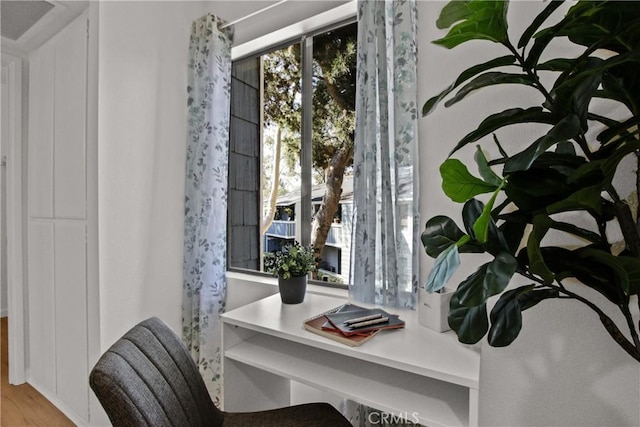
{"x":306,"y":131}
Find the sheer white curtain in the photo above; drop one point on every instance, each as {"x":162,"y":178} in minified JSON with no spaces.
{"x":385,"y":244}
{"x":205,"y":235}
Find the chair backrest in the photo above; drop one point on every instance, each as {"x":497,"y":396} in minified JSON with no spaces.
{"x":148,"y":378}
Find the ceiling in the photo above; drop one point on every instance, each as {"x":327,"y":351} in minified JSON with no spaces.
{"x":25,"y":25}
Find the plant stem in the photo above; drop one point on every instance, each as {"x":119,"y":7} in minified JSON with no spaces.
{"x":633,"y":349}
{"x":537,"y":84}
{"x":609,"y":325}
{"x":634,"y":333}
{"x":628,"y":226}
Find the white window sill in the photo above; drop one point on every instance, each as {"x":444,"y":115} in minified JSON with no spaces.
{"x":272,"y":281}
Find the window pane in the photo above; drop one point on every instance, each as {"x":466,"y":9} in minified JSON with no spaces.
{"x":244,"y":167}
{"x":265,"y":179}
{"x":281,"y":217}
{"x":334,"y":91}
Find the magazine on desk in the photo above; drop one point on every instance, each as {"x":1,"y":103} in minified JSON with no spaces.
{"x":351,"y":324}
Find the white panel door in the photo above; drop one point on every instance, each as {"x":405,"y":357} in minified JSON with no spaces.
{"x":70,"y":123}
{"x":57,"y":266}
{"x":40,"y":147}
{"x":71,"y":314}
{"x":41,"y":310}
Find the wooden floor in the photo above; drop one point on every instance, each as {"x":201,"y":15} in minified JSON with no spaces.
{"x":22,"y":405}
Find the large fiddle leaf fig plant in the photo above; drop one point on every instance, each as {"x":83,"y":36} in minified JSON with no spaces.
{"x":558,"y":187}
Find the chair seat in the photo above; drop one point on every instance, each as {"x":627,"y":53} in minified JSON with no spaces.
{"x":306,"y":415}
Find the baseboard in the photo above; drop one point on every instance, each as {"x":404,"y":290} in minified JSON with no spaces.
{"x":51,"y":397}
{"x":4,"y":312}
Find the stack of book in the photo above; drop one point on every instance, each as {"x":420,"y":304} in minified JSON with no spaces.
{"x":352,"y":325}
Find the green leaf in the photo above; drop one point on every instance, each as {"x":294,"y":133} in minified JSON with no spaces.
{"x":495,"y":242}
{"x":615,"y":23}
{"x":542,"y":16}
{"x":490,"y":79}
{"x":482,"y":20}
{"x":506,"y":318}
{"x":588,"y":172}
{"x":481,"y":226}
{"x":502,"y":61}
{"x":530,"y":299}
{"x":458,"y":184}
{"x":618,"y":130}
{"x":469,"y":323}
{"x":583,"y":199}
{"x":587,"y":235}
{"x":532,"y":190}
{"x":490,"y":279}
{"x":505,"y":118}
{"x":565,"y":129}
{"x":556,"y":64}
{"x":541,"y":225}
{"x":471,"y":211}
{"x":565,"y":263}
{"x":613,"y":83}
{"x":513,"y":233}
{"x":565,"y":147}
{"x":446,"y":264}
{"x":611,"y":261}
{"x":572,"y":93}
{"x":439,"y":234}
{"x":542,"y":40}
{"x":487,"y":174}
{"x":451,"y":13}
{"x":506,"y":315}
{"x":631,"y":267}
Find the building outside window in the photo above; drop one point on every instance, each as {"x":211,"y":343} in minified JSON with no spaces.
{"x":291,"y":151}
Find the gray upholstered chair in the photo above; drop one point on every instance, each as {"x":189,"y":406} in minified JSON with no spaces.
{"x":147,"y":378}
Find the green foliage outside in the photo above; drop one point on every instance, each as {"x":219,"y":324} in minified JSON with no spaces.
{"x":334,"y":65}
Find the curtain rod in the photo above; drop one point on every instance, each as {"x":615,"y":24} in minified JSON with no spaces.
{"x":257,"y":12}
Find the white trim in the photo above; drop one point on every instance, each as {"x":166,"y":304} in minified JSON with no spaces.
{"x":15,"y":230}
{"x":251,"y":15}
{"x":55,"y":400}
{"x":306,"y":26}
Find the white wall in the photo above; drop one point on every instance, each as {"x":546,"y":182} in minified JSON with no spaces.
{"x":142,"y":129}
{"x":3,"y":183}
{"x":564,"y":369}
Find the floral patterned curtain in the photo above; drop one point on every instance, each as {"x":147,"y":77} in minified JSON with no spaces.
{"x":386,"y":231}
{"x":205,"y":234}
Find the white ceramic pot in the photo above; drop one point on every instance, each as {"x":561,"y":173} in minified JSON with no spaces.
{"x":433,"y":309}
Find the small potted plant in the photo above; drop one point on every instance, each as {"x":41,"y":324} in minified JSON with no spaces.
{"x":291,"y":265}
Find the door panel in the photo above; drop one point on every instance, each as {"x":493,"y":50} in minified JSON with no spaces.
{"x":71,"y":313}
{"x":57,"y":266}
{"x":40,"y":148}
{"x":70,"y":129}
{"x":41,"y":310}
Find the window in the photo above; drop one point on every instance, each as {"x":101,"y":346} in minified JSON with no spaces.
{"x":291,"y":151}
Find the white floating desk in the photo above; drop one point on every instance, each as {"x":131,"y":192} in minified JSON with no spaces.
{"x":407,"y":372}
